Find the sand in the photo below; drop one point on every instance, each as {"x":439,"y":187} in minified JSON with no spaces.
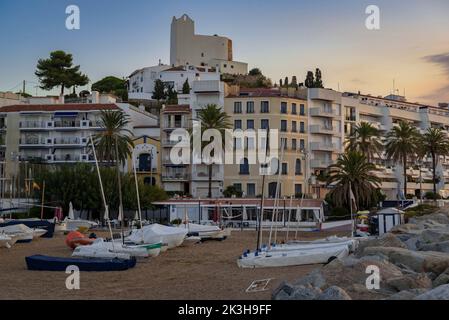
{"x":197,"y":272}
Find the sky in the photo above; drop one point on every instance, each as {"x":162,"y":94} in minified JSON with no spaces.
{"x":282,"y":38}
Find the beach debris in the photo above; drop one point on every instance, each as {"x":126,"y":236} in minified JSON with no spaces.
{"x":258,"y":285}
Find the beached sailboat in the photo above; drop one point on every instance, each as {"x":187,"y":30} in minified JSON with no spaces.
{"x":270,"y":258}
{"x":46,"y":263}
{"x":205,"y":232}
{"x":19,"y":233}
{"x":157,"y":233}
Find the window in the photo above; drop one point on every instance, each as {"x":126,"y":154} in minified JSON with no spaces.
{"x":294,"y":144}
{"x":251,"y":189}
{"x":302,"y":109}
{"x":237,"y":107}
{"x":238,"y":187}
{"x":294,"y":126}
{"x":283,"y":107}
{"x":249,"y":124}
{"x":284,"y":143}
{"x":144,"y":162}
{"x":302,"y":144}
{"x":284,"y":168}
{"x":250,"y":107}
{"x":283,"y":125}
{"x":298,"y":189}
{"x":302,"y":127}
{"x":294,"y":108}
{"x":237,"y":124}
{"x":298,"y":167}
{"x":264,"y":107}
{"x":244,"y":166}
{"x":264,"y":124}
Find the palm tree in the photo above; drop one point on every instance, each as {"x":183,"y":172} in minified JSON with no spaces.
{"x":353,"y":172}
{"x":402,"y":145}
{"x":114,"y":143}
{"x":365,"y":139}
{"x":114,"y":134}
{"x":213,"y":117}
{"x":435,"y":143}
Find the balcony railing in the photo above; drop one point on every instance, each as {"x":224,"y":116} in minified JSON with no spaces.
{"x":322,"y":129}
{"x":67,"y":141}
{"x":318,"y":146}
{"x":32,"y":124}
{"x":67,"y":124}
{"x":176,"y":176}
{"x":206,"y":86}
{"x":323,"y":112}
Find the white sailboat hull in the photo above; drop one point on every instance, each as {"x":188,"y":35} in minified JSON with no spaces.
{"x":352,"y":245}
{"x":37,"y":233}
{"x":206,"y":231}
{"x":292,"y":257}
{"x":73,"y":225}
{"x":98,"y":252}
{"x":18,"y":233}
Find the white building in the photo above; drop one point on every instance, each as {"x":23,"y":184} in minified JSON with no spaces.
{"x":188,"y":48}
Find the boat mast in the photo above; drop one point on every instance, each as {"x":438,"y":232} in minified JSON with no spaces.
{"x":262,"y":199}
{"x":138,"y":197}
{"x":119,"y":181}
{"x":106,"y":209}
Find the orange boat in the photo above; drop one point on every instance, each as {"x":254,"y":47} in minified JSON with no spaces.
{"x":75,"y":239}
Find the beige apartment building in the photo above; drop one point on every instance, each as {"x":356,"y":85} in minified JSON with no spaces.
{"x":263,"y":109}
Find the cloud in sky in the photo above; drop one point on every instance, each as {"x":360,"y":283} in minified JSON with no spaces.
{"x":442,"y":61}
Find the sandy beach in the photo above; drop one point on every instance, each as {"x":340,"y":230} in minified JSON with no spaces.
{"x":198,"y":272}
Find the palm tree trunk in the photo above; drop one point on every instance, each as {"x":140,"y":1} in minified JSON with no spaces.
{"x":434,"y":176}
{"x":62,"y":89}
{"x":405,"y":176}
{"x":209,"y":167}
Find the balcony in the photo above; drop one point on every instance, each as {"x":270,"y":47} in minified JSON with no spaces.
{"x":65,"y":124}
{"x":69,"y":141}
{"x":168,"y":143}
{"x":173,"y":176}
{"x":206,"y":86}
{"x":323,"y":112}
{"x":317,"y":129}
{"x":320,"y":163}
{"x":32,"y":142}
{"x":67,"y":158}
{"x":171,"y":125}
{"x":320,"y":146}
{"x":32,"y":125}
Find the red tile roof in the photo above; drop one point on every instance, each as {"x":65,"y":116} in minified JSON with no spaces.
{"x":184,"y":108}
{"x":59,"y":107}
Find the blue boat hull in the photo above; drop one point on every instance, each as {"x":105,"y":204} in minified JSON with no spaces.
{"x":46,"y":263}
{"x":34,"y":224}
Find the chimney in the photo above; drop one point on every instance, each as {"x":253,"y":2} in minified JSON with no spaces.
{"x":95,"y":97}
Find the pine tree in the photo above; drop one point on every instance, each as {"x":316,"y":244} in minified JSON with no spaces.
{"x":286,"y":82}
{"x":159,"y":90}
{"x":172,"y":96}
{"x":280,"y":83}
{"x":186,"y":87}
{"x":294,"y":83}
{"x":309,"y":82}
{"x":318,"y":81}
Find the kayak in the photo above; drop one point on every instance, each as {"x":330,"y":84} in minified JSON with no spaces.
{"x":47,"y":263}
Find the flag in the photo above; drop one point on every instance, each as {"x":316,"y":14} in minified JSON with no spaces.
{"x":36,"y":186}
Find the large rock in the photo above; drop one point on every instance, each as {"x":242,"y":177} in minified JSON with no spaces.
{"x":439,"y":293}
{"x":407,"y":282}
{"x":442,"y":279}
{"x":418,"y":261}
{"x":437,"y":246}
{"x":434,"y":235}
{"x":409,"y":228}
{"x":386,"y":240}
{"x":305,"y":293}
{"x":407,"y":294}
{"x":334,"y":293}
{"x":283,"y":291}
{"x":314,"y":279}
{"x":432,"y":219}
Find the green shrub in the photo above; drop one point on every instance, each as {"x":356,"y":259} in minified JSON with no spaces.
{"x":432,"y":196}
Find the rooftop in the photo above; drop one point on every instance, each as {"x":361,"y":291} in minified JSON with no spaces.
{"x":182,"y":108}
{"x":59,"y":107}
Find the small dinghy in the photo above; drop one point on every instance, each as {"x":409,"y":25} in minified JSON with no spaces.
{"x":46,"y":263}
{"x":352,"y":245}
{"x":19,"y":232}
{"x":98,"y":252}
{"x":36,"y":224}
{"x":156,"y":233}
{"x":264,"y":259}
{"x":206,"y":232}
